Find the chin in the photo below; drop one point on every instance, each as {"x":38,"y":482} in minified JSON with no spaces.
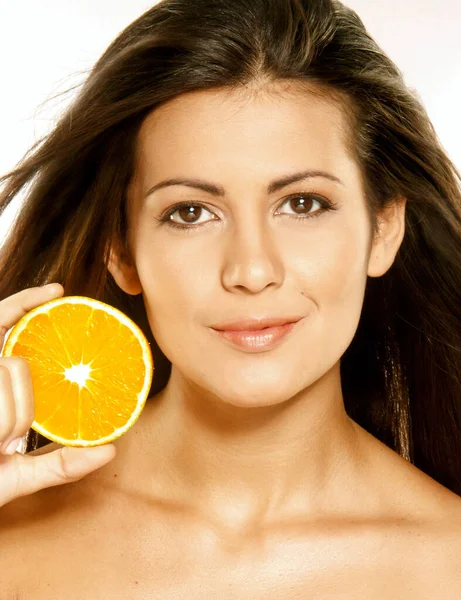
{"x":256,"y":396}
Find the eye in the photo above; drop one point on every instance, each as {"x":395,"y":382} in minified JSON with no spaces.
{"x":191,"y":213}
{"x":302,"y":205}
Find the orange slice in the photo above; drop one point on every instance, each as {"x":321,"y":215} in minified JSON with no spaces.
{"x":91,"y":369}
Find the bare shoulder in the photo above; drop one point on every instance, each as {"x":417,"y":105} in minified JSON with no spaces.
{"x":404,"y":480}
{"x":47,"y":505}
{"x":16,"y":507}
{"x":23,"y":513}
{"x":422,"y":535}
{"x":440,"y":541}
{"x":31,"y":523}
{"x":426,"y":513}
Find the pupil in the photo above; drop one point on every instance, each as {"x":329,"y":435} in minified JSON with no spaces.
{"x":187,"y":213}
{"x":301,"y":201}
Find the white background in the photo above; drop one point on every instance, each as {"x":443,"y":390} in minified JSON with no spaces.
{"x":46,"y":46}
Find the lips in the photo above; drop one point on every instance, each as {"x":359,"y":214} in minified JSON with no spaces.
{"x":257,"y":340}
{"x":256,"y":323}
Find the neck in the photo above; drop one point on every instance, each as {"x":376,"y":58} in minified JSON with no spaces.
{"x":247,"y":466}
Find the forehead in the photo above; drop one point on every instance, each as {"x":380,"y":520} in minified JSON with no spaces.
{"x":278,"y":128}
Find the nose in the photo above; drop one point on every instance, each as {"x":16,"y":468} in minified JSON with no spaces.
{"x":252,"y":260}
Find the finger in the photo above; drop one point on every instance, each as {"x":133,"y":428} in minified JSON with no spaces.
{"x":23,"y":397}
{"x":61,"y":466}
{"x":16,"y":306}
{"x":7,"y":406}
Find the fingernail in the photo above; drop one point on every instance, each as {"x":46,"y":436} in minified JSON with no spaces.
{"x":13,"y":446}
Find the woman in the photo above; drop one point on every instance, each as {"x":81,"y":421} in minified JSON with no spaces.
{"x":229,"y":165}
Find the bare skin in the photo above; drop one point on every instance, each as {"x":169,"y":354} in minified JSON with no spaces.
{"x":245,"y":478}
{"x":106,"y":537}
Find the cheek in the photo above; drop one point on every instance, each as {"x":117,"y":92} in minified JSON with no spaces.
{"x":339,"y":269}
{"x":333,"y":277}
{"x":177,"y":285}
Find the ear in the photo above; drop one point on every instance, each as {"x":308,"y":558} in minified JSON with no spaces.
{"x":121,"y":267}
{"x":386,"y":243}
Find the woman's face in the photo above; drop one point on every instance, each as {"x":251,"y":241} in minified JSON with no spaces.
{"x":249,"y":251}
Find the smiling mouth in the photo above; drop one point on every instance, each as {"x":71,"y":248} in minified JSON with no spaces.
{"x":260,"y":339}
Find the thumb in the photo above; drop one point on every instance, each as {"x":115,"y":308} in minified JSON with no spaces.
{"x":65,"y":465}
{"x":75,"y":463}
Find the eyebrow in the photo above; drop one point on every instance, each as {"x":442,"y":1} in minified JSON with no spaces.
{"x":217,"y":190}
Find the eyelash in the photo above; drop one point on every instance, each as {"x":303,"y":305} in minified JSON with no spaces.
{"x":326,"y":205}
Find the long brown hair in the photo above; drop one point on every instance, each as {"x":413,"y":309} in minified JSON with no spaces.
{"x":400,"y":375}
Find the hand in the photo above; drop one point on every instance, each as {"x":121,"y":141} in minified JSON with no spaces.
{"x":23,"y":474}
